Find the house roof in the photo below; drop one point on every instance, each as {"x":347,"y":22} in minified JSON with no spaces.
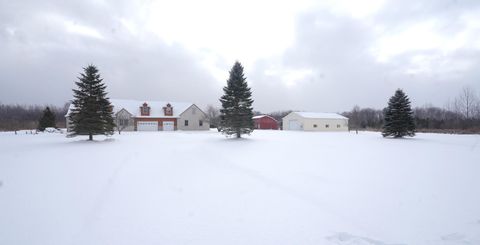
{"x":156,"y":107}
{"x":321,"y":115}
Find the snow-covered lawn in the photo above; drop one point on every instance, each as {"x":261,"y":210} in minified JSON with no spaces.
{"x":273,"y":187}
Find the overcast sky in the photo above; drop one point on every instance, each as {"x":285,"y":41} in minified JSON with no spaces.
{"x":301,"y":55}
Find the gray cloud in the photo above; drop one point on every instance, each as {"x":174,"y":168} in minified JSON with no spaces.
{"x":44,"y":45}
{"x":346,"y":72}
{"x":41,"y":58}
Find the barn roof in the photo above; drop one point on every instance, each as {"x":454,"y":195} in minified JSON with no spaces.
{"x":320,"y":115}
{"x":262,"y":116}
{"x":156,"y":107}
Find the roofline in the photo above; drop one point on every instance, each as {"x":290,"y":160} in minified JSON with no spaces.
{"x":260,"y":116}
{"x":296,"y":112}
{"x":123,"y":109}
{"x":190,"y":107}
{"x":155,"y":117}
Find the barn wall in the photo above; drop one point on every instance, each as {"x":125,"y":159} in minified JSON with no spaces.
{"x":265,"y":123}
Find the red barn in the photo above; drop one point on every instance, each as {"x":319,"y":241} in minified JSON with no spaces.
{"x":265,"y":122}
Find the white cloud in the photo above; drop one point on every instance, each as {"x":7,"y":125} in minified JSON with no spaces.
{"x":83,"y":30}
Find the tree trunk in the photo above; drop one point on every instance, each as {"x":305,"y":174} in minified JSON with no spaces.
{"x":90,"y":137}
{"x":238,"y":134}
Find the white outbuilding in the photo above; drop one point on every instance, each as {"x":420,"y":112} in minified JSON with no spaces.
{"x":315,"y":121}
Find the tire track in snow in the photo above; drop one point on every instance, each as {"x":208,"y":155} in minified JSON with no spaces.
{"x":99,"y":202}
{"x":271,"y":183}
{"x":472,"y":148}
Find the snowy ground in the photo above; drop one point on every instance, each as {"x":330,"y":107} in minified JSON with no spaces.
{"x":273,"y":188}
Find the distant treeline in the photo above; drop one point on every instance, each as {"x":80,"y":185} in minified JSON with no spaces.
{"x":18,"y":117}
{"x":427,"y":119}
{"x":462,"y":115}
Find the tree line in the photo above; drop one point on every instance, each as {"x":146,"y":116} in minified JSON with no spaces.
{"x":462,"y":115}
{"x":17,"y":117}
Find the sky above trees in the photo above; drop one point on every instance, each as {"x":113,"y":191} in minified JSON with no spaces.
{"x":300,"y":55}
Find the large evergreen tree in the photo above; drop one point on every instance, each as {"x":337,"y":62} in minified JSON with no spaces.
{"x":92,"y":111}
{"x":237,"y":112}
{"x":47,"y":120}
{"x":398,"y":120}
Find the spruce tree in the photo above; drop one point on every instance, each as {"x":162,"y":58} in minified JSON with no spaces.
{"x":398,"y":119}
{"x":47,"y":120}
{"x":237,"y":112}
{"x":92,"y":111}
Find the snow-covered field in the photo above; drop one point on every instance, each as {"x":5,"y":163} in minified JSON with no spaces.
{"x":273,"y":187}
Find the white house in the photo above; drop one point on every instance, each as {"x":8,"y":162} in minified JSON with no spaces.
{"x":134,"y":115}
{"x":314,"y":121}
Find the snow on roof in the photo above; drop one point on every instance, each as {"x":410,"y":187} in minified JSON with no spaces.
{"x":260,"y":116}
{"x":320,"y":115}
{"x":156,"y":107}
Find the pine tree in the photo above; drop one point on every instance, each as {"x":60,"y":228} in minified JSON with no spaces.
{"x":47,"y":120}
{"x":398,"y":120}
{"x":237,"y":112}
{"x":92,"y":111}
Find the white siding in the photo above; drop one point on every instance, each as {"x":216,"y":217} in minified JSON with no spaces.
{"x":124,"y":114}
{"x":193,"y":115}
{"x":314,"y":124}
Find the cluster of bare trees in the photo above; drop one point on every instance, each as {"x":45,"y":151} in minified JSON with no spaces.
{"x":213,"y":116}
{"x":466,"y":104}
{"x":460,"y":115}
{"x":364,"y":118}
{"x":17,"y":117}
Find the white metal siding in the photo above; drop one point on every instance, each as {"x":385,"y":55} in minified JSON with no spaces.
{"x":294,"y":125}
{"x":313,"y":124}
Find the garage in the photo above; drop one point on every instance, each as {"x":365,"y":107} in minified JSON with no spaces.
{"x":147,"y":126}
{"x":294,"y":125}
{"x":315,"y":121}
{"x":168,"y":126}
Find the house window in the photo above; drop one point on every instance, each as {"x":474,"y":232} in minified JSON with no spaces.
{"x":145,"y":110}
{"x":314,"y":125}
{"x":168,"y":110}
{"x":338,"y":125}
{"x":123,"y":122}
{"x":186,"y":122}
{"x":327,"y":126}
{"x":200,"y":123}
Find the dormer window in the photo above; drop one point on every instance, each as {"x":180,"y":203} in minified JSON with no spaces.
{"x":145,"y":109}
{"x":168,"y":110}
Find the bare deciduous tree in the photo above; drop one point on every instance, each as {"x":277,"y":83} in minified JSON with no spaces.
{"x":121,"y":122}
{"x":213,"y":116}
{"x":466,"y":103}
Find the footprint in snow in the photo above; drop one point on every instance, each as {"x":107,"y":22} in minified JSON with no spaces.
{"x":455,"y":237}
{"x":343,"y":238}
